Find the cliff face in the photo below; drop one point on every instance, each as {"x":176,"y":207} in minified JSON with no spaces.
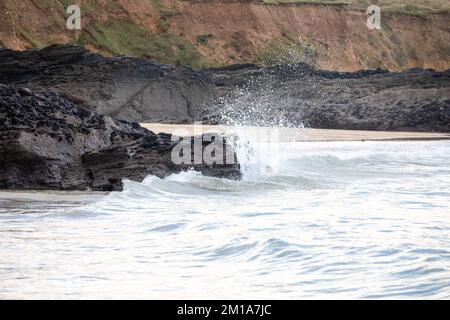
{"x":214,"y":33}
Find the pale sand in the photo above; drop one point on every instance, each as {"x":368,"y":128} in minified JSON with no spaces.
{"x":294,"y":134}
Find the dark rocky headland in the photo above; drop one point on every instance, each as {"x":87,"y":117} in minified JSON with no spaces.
{"x":69,"y":118}
{"x":47,"y":142}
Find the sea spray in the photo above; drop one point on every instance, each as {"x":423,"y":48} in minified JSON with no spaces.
{"x":322,"y":226}
{"x":254,"y":115}
{"x":258,"y":151}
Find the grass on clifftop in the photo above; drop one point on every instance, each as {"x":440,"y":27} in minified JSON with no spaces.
{"x":412,"y":7}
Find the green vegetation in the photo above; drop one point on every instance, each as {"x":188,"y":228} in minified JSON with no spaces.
{"x":288,"y":50}
{"x":90,"y":8}
{"x":45,"y":4}
{"x":321,"y":2}
{"x":165,"y":12}
{"x":51,"y":4}
{"x":411,"y":7}
{"x":30,"y":37}
{"x":413,"y":53}
{"x":203,"y":39}
{"x":122,"y":34}
{"x":445,"y":48}
{"x":400,"y":57}
{"x":126,"y":37}
{"x":66,"y":3}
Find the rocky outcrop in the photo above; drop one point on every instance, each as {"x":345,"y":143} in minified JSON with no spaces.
{"x":47,"y":142}
{"x":123,"y":87}
{"x":294,"y":95}
{"x":297,"y":95}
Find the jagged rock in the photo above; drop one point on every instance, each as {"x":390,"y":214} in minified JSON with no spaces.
{"x":123,"y":87}
{"x":47,"y":142}
{"x":413,"y":100}
{"x":294,"y":95}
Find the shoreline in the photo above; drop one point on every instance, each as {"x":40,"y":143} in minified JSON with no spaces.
{"x":300,"y":134}
{"x":262,"y":133}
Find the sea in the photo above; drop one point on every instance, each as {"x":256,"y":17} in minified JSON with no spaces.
{"x":308,"y":220}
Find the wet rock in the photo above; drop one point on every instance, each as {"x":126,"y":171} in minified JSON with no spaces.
{"x":297,"y":95}
{"x":55,"y":144}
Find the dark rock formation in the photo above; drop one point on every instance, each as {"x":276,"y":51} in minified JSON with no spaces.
{"x":140,"y":90}
{"x":413,"y":100}
{"x":123,"y":87}
{"x":47,"y":142}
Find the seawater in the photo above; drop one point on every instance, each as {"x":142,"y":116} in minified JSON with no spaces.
{"x":334,"y":220}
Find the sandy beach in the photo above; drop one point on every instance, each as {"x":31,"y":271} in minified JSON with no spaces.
{"x":299,"y":134}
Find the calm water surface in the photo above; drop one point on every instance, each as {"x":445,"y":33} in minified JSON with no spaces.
{"x":331,"y":220}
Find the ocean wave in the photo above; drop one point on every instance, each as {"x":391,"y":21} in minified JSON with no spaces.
{"x":332,"y":220}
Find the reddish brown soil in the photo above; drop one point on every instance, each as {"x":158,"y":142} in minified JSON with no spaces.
{"x":240,"y":31}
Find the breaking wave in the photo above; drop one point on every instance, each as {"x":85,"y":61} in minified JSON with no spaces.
{"x":326,"y":220}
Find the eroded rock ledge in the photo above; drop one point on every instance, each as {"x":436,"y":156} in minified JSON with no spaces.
{"x":48,"y":142}
{"x":121,"y":87}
